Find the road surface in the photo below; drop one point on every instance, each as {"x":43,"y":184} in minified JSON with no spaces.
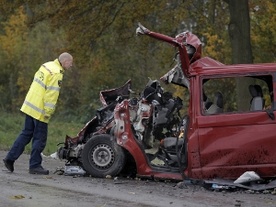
{"x":21,"y":189}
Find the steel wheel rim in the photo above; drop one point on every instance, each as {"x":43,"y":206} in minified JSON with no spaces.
{"x":103,"y":156}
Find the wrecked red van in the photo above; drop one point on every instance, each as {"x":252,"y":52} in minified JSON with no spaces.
{"x":229,"y":127}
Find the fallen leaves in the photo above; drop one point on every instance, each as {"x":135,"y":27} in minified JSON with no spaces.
{"x":17,"y":197}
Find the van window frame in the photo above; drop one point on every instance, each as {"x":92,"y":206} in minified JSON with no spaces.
{"x":266,"y":78}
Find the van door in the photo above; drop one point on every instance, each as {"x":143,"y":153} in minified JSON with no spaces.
{"x":234,"y":139}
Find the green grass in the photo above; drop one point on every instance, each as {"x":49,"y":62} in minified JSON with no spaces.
{"x":11,"y":126}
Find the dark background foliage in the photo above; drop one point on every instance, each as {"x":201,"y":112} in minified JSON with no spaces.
{"x":101,"y":37}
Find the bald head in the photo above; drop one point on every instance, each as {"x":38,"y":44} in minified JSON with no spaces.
{"x":66,"y":60}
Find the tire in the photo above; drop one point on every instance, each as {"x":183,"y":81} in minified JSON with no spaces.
{"x":101,"y":156}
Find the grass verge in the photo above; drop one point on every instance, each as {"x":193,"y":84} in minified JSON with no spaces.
{"x":11,"y":126}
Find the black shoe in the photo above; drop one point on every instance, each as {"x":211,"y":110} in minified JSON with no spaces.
{"x":39,"y":171}
{"x":9,"y":164}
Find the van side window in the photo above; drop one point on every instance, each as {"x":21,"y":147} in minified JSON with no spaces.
{"x":236,"y":94}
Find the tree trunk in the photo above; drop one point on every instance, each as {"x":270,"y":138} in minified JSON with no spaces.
{"x":239,"y":31}
{"x":239,"y":34}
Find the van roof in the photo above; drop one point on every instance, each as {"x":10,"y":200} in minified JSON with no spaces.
{"x":209,"y":66}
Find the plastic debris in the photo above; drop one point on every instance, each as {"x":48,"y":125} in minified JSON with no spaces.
{"x":219,"y":187}
{"x":73,"y":170}
{"x":248,"y":176}
{"x":54,"y":155}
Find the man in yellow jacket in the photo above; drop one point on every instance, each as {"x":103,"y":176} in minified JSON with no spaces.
{"x":38,"y":106}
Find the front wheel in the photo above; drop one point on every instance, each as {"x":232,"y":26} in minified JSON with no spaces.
{"x":101,"y":156}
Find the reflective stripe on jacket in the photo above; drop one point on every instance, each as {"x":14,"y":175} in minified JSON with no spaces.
{"x":42,"y":96}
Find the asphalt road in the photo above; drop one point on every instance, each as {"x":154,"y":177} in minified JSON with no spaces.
{"x":21,"y":189}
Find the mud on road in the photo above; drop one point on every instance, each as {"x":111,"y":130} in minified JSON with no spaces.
{"x":21,"y":189}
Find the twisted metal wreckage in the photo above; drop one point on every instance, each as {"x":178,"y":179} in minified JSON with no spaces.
{"x":148,"y":135}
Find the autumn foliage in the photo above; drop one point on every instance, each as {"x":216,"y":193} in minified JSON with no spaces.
{"x":101,"y":37}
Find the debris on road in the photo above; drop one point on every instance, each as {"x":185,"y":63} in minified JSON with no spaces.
{"x":263,"y":186}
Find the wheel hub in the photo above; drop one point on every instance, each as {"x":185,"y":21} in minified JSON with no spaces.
{"x":103,"y":156}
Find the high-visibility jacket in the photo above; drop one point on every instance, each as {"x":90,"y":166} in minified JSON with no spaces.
{"x":41,"y":99}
